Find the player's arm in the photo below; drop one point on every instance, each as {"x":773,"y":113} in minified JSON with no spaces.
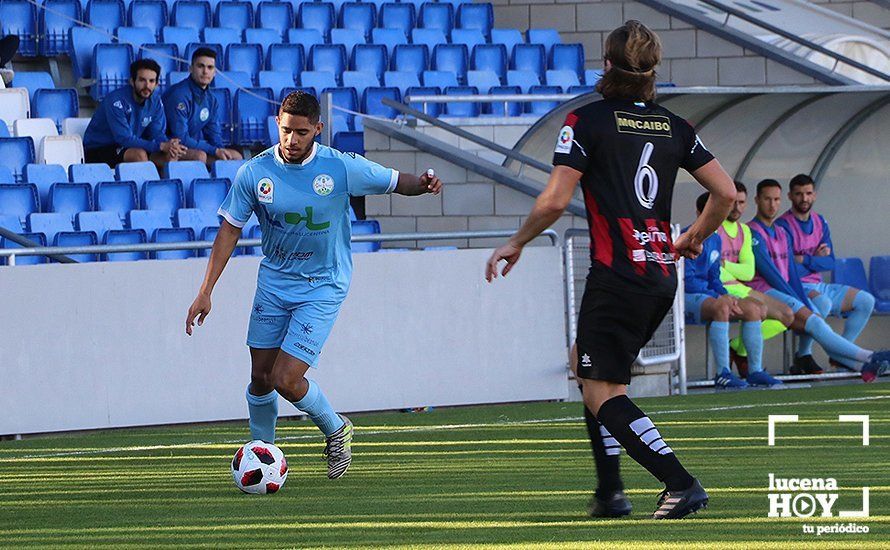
{"x":823,"y":260}
{"x":223,"y":246}
{"x":411,"y":185}
{"x":743,"y":270}
{"x":714,"y":178}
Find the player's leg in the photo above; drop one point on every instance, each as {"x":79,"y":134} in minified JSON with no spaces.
{"x":194,"y":154}
{"x":134,"y":154}
{"x":268,"y":325}
{"x":804,"y":357}
{"x":703,"y":308}
{"x":160,"y":159}
{"x":753,"y":313}
{"x":857,"y":306}
{"x":770,"y":327}
{"x":234,"y":154}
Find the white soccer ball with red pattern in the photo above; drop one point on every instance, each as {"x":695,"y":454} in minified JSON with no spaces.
{"x":259,"y":468}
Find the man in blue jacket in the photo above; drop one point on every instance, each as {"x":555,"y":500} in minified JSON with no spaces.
{"x":129,"y":124}
{"x":192,"y":112}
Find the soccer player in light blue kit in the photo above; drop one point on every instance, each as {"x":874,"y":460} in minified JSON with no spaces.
{"x":300,"y":192}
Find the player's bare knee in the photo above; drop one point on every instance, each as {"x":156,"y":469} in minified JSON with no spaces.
{"x":722,"y":312}
{"x":200,"y":156}
{"x":135,"y":154}
{"x":751,"y":311}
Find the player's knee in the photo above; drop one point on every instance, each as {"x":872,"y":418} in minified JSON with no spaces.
{"x":751,"y":312}
{"x":722,"y":312}
{"x":864,"y":300}
{"x":236,"y":155}
{"x":262,"y":381}
{"x":135,"y":154}
{"x":201,"y":156}
{"x":289,"y":383}
{"x":786,"y":316}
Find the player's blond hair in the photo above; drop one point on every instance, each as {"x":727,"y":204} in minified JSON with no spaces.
{"x":633,"y":50}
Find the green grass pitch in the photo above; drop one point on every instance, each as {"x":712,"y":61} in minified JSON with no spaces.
{"x":511,"y":476}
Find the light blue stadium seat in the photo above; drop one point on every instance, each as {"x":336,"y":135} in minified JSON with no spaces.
{"x":318,"y":80}
{"x":512,"y":108}
{"x":397,"y":16}
{"x":164,"y":195}
{"x":328,"y":57}
{"x":523,"y":79}
{"x":359,"y":80}
{"x":350,"y":142}
{"x":107,"y":15}
{"x":276,"y":16}
{"x":148,"y":221}
{"x":152,"y":14}
{"x":430,"y":37}
{"x":412,"y":58}
{"x":529,"y":57}
{"x":234,"y":14}
{"x":439,"y":79}
{"x":563,"y":79}
{"x":437,"y":15}
{"x":77,"y":238}
{"x":186,"y":171}
{"x":359,"y":16}
{"x":508,"y":37}
{"x":276,"y":81}
{"x":345,"y":98}
{"x":543,"y":107}
{"x":567,"y":57}
{"x":43,"y":176}
{"x":371,"y":58}
{"x":224,"y":113}
{"x":850,"y":272}
{"x":233,"y":81}
{"x":111,"y":64}
{"x":49,"y":224}
{"x":38,"y":238}
{"x":483,"y":80}
{"x":476,"y":16}
{"x":70,"y":198}
{"x":349,"y":38}
{"x":453,"y":58}
{"x":263,"y":37}
{"x":222,"y":36}
{"x":192,"y":13}
{"x":20,"y":18}
{"x":93,"y":173}
{"x":371,"y":104}
{"x":173,"y":235}
{"x":181,"y":36}
{"x":136,"y":36}
{"x":879,"y":279}
{"x":19,"y":200}
{"x":56,"y":18}
{"x":83,"y":41}
{"x":389,"y":38}
{"x":401,"y":80}
{"x":116,"y":196}
{"x":196,"y":219}
{"x":32,"y":80}
{"x":581,"y":89}
{"x":57,"y":104}
{"x":317,"y":15}
{"x":178,"y":76}
{"x":462,"y":109}
{"x":124,"y":236}
{"x":472,"y":38}
{"x":98,"y":222}
{"x":207,"y":194}
{"x":491,"y":57}
{"x":5,"y":173}
{"x":287,"y":91}
{"x":286,"y":57}
{"x":11,"y":223}
{"x":137,"y":172}
{"x":252,"y":107}
{"x":4,"y":131}
{"x":546,"y":37}
{"x":227,"y":169}
{"x":271,"y":130}
{"x":166,"y":56}
{"x":366,"y":227}
{"x":305,"y":37}
{"x":432,"y":109}
{"x":15,"y":153}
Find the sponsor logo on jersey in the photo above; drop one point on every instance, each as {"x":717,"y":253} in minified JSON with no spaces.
{"x":204,"y":114}
{"x":644,"y":125}
{"x":296,"y":218}
{"x":181,"y":106}
{"x":304,"y":348}
{"x":146,"y":120}
{"x":565,"y":139}
{"x":651,"y":235}
{"x":323,"y":184}
{"x":265,"y":190}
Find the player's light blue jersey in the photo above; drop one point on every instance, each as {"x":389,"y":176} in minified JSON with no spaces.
{"x":303,"y":210}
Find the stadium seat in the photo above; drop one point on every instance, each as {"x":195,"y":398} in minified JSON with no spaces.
{"x":462,"y":109}
{"x":37,"y":238}
{"x":167,"y":56}
{"x":191,"y":13}
{"x":328,"y":57}
{"x":437,"y":15}
{"x":546,"y":37}
{"x":116,"y":196}
{"x":209,"y":234}
{"x":483,"y":80}
{"x":70,"y":198}
{"x":370,"y":58}
{"x":55,"y":104}
{"x":207,"y":194}
{"x":174,"y":235}
{"x":6,"y":175}
{"x":543,"y":107}
{"x":371,"y":102}
{"x":469,"y":37}
{"x":581,"y":89}
{"x":234,"y":14}
{"x":592,"y":76}
{"x":83,"y":41}
{"x":196,"y":219}
{"x":165,"y":195}
{"x":476,"y":16}
{"x":305,"y":37}
{"x":850,"y":272}
{"x":19,"y":17}
{"x":56,"y":18}
{"x":271,"y":129}
{"x":124,"y":237}
{"x":430,"y":37}
{"x":401,"y":80}
{"x":412,"y":58}
{"x":35,"y":128}
{"x":286,"y":57}
{"x":349,"y":38}
{"x":49,"y":224}
{"x":148,"y":221}
{"x":14,"y":105}
{"x":252,"y":107}
{"x":186,"y":171}
{"x":111,"y":64}
{"x":276,"y":81}
{"x":509,"y":109}
{"x":432,"y":109}
{"x":508,"y":37}
{"x":263,"y":37}
{"x":20,"y":200}
{"x":10,"y":223}
{"x":523,"y":79}
{"x":359,"y":80}
{"x":345,"y":98}
{"x":491,"y":57}
{"x":233,"y":81}
{"x":366,"y":227}
{"x":390,"y":38}
{"x":439,"y":79}
{"x":75,"y":126}
{"x":77,"y":238}
{"x":349,"y":142}
{"x":563,"y":79}
{"x":359,"y":16}
{"x":137,"y":172}
{"x":529,"y":57}
{"x":151,"y":14}
{"x":181,"y":36}
{"x":567,"y":57}
{"x":15,"y":153}
{"x":93,"y":173}
{"x":451,"y":57}
{"x":227,"y":169}
{"x":246,"y":58}
{"x":224,"y":113}
{"x":136,"y":36}
{"x":397,"y":16}
{"x":879,"y":279}
{"x":317,"y":15}
{"x":43,"y":176}
{"x":32,"y":81}
{"x":275,"y":16}
{"x":64,"y":150}
{"x":318,"y":80}
{"x":223,"y":36}
{"x":98,"y":222}
{"x":106,"y":15}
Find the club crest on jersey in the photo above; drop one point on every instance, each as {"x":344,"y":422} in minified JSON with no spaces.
{"x":204,"y":114}
{"x":323,"y":184}
{"x":265,"y":190}
{"x":564,"y":142}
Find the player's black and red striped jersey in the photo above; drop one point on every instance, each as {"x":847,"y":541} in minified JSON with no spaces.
{"x":629,"y":154}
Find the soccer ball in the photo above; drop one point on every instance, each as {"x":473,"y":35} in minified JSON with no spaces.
{"x":259,"y":468}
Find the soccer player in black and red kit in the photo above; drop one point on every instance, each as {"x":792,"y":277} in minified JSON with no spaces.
{"x":626,"y":151}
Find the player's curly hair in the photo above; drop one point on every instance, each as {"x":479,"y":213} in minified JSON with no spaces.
{"x":301,"y":104}
{"x":634,"y":50}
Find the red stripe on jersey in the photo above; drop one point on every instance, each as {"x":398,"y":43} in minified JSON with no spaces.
{"x":632,"y":245}
{"x":666,"y":227}
{"x":600,"y":240}
{"x":659,"y":246}
{"x":571,"y":119}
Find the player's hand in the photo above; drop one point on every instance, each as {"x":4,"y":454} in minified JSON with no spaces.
{"x":509,"y":252}
{"x":201,"y":309}
{"x":432,"y":183}
{"x":823,"y":250}
{"x":687,"y":247}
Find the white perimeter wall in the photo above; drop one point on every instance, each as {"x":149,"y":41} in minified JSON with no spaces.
{"x":103,"y":345}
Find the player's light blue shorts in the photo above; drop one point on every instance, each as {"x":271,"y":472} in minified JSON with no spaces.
{"x":790,"y":301}
{"x":694,"y":302}
{"x":297,"y":322}
{"x":833,"y":292}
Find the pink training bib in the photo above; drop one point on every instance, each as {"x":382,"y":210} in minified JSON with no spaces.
{"x":804,"y":243}
{"x":778,"y":251}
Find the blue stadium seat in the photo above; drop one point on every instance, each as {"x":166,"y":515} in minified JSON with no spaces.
{"x":5,"y":173}
{"x":483,"y":80}
{"x":209,"y":234}
{"x":111,"y":63}
{"x":401,"y":80}
{"x":345,"y":98}
{"x":19,"y":17}
{"x":430,"y":37}
{"x":174,"y":235}
{"x":232,"y":81}
{"x":207,"y":194}
{"x":563,"y":79}
{"x":546,"y":37}
{"x":592,"y":76}
{"x":246,"y":58}
{"x":223,"y":36}
{"x":469,"y":37}
{"x":512,"y":108}
{"x":192,"y":13}
{"x":137,"y":172}
{"x":305,"y":37}
{"x":151,"y":14}
{"x":124,"y":237}
{"x":523,"y":79}
{"x":276,"y":16}
{"x":370,"y":58}
{"x":545,"y":106}
{"x":181,"y":36}
{"x":148,"y":221}
{"x":390,"y":38}
{"x":166,"y":56}
{"x":57,"y":104}
{"x":56,"y":18}
{"x":349,"y":38}
{"x":252,"y":107}
{"x":476,"y":16}
{"x":439,"y":79}
{"x":508,"y":37}
{"x":318,"y":80}
{"x":32,"y":80}
{"x":328,"y":57}
{"x":196,"y":219}
{"x":15,"y":153}
{"x":462,"y":109}
{"x":271,"y":130}
{"x":43,"y":176}
{"x":491,"y":57}
{"x":359,"y":80}
{"x":49,"y":224}
{"x":19,"y":199}
{"x":350,"y":142}
{"x":10,"y":223}
{"x":77,"y":238}
{"x":226,"y":169}
{"x":190,"y":50}
{"x":529,"y":57}
{"x":70,"y":198}
{"x":106,"y":15}
{"x":4,"y":132}
{"x":276,"y":81}
{"x":567,"y":57}
{"x":263,"y":37}
{"x":224,"y":114}
{"x":116,"y":196}
{"x":879,"y":279}
{"x":371,"y":104}
{"x":850,"y":272}
{"x":98,"y":222}
{"x":317,"y":15}
{"x":437,"y":15}
{"x":412,"y":58}
{"x":359,"y":16}
{"x":366,"y":227}
{"x":432,"y":109}
{"x":581,"y":89}
{"x":186,"y":171}
{"x":83,"y":41}
{"x":136,"y":36}
{"x":286,"y":57}
{"x":93,"y":173}
{"x":397,"y":16}
{"x":451,"y":57}
{"x":37,"y":238}
{"x":165,"y":195}
{"x":234,"y":14}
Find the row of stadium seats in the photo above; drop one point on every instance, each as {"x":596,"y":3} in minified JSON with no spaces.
{"x":851,"y":272}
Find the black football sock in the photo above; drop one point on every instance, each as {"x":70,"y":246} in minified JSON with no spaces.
{"x":640,"y":438}
{"x":606,"y":454}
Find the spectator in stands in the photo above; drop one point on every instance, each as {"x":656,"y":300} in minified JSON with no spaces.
{"x":814,"y":253}
{"x":192,"y":112}
{"x":129,"y":124}
{"x":708,"y":301}
{"x":737,"y":269}
{"x":9,"y":45}
{"x":777,"y":277}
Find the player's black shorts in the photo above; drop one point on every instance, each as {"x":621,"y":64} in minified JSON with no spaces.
{"x":107,"y":155}
{"x":613,"y":327}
